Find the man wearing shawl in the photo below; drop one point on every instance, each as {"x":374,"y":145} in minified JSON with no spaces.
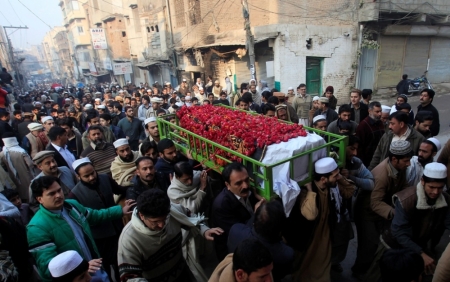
{"x":123,"y":168}
{"x":188,"y":187}
{"x":19,"y":165}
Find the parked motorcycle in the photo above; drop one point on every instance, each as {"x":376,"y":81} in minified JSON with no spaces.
{"x":417,"y":84}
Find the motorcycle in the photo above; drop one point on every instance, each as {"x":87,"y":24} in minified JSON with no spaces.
{"x":417,"y":84}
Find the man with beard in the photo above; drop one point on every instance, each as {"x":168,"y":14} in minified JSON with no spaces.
{"x":344,"y":117}
{"x":151,"y":128}
{"x":236,"y":203}
{"x":45,"y":161}
{"x":132,"y":127}
{"x":369,"y":131}
{"x":146,"y":178}
{"x":93,"y":119}
{"x":329,"y":114}
{"x":100,"y":153}
{"x":314,"y":211}
{"x":96,"y":191}
{"x":423,"y":122}
{"x":385,"y":112}
{"x":427,"y":150}
{"x":123,"y":167}
{"x":256,"y":96}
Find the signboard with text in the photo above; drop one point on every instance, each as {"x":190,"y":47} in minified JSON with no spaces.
{"x":98,"y":39}
{"x":122,"y":68}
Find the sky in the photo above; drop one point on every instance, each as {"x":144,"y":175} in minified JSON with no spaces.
{"x":14,"y":13}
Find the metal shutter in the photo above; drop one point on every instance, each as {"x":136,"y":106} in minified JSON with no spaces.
{"x":390,"y":60}
{"x":439,"y":69}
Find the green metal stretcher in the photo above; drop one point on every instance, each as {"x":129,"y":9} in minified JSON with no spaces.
{"x":201,"y":148}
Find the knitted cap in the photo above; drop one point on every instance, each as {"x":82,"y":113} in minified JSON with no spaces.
{"x":400,"y":148}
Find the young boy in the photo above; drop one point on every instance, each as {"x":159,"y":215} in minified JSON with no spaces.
{"x":13,"y":196}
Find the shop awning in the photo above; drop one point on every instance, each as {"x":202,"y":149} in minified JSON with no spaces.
{"x":151,"y":62}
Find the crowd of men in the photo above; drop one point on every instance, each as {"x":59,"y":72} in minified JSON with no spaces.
{"x":91,"y":192}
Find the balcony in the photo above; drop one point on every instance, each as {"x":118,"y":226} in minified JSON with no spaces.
{"x":72,"y":16}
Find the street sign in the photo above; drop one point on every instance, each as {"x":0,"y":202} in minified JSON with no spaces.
{"x":98,"y":39}
{"x":122,"y":68}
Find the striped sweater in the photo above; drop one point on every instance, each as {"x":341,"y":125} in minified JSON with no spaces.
{"x":101,"y":159}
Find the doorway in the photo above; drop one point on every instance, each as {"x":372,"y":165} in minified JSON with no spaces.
{"x":314,"y":76}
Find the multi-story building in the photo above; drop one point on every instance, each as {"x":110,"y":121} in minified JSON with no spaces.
{"x":312,"y":42}
{"x":403,"y":37}
{"x":50,"y":46}
{"x":4,"y":51}
{"x":77,"y":27}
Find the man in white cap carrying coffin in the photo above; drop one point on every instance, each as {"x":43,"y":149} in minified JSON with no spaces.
{"x":123,"y":167}
{"x":69,"y":267}
{"x":96,"y":191}
{"x":314,"y":212}
{"x":420,"y":217}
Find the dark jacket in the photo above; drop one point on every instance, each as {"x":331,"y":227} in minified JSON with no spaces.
{"x":403,"y":86}
{"x":139,"y":187}
{"x":97,"y":198}
{"x":369,"y":132}
{"x":60,"y":161}
{"x":332,"y":103}
{"x":5,"y":127}
{"x":22,"y":130}
{"x":283,"y":255}
{"x":416,"y":223}
{"x":363,"y":112}
{"x":331,"y":115}
{"x":227,"y":210}
{"x":436,"y":125}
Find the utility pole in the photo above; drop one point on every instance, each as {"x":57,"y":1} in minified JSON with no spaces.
{"x":13,"y":61}
{"x":250,"y":38}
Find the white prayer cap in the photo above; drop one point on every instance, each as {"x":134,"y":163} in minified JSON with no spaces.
{"x":66,"y":266}
{"x":88,"y":106}
{"x":44,"y":119}
{"x":67,"y":99}
{"x":43,"y":97}
{"x":316,"y":98}
{"x":120,"y":91}
{"x":179,"y":104}
{"x":188,"y":98}
{"x":290,"y":88}
{"x":79,"y":162}
{"x":96,"y":99}
{"x":436,"y":143}
{"x":385,"y":109}
{"x":150,"y":119}
{"x":325,"y":165}
{"x":435,"y":170}
{"x":101,"y":107}
{"x":120,"y":142}
{"x":98,"y":93}
{"x":184,"y":79}
{"x":200,"y":88}
{"x":149,"y":90}
{"x":319,"y":117}
{"x":156,"y":100}
{"x":34,"y":126}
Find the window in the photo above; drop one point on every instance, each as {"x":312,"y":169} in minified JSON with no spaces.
{"x":148,"y":29}
{"x":75,"y":5}
{"x":153,"y":29}
{"x":80,"y":29}
{"x":156,"y":28}
{"x":86,"y":57}
{"x":124,"y":34}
